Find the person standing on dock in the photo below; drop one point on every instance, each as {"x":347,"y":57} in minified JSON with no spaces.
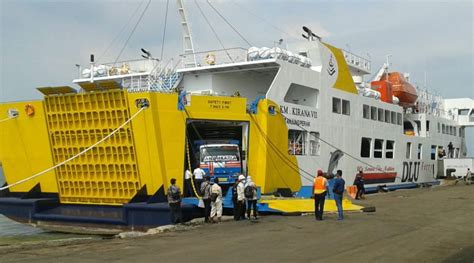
{"x":240,"y":198}
{"x":188,"y":188}
{"x":251,"y":196}
{"x":206,"y":198}
{"x":468,"y":177}
{"x":198,"y":177}
{"x":359,"y":182}
{"x":174,"y":202}
{"x":216,"y":202}
{"x":319,"y":190}
{"x":338,"y":191}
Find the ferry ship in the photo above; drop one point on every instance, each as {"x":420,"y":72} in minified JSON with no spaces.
{"x":102,"y":154}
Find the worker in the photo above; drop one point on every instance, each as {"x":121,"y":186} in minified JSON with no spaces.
{"x":468,"y":177}
{"x":450,"y":150}
{"x":240,"y":198}
{"x":320,"y":186}
{"x":338,"y":191}
{"x":174,"y":202}
{"x":198,"y":177}
{"x":359,"y":182}
{"x":234,"y":199}
{"x":251,"y":196}
{"x":188,"y":188}
{"x":216,"y":202}
{"x":206,"y":197}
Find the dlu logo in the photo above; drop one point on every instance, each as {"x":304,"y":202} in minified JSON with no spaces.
{"x":332,"y":68}
{"x":411,"y":171}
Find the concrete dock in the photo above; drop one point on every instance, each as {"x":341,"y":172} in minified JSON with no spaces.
{"x":433,"y":224}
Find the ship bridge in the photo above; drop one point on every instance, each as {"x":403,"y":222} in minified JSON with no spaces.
{"x":462,"y":110}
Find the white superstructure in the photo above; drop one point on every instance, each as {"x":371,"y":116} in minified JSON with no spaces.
{"x":326,"y":104}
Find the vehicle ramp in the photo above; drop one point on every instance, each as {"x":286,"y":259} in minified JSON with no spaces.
{"x":303,"y":205}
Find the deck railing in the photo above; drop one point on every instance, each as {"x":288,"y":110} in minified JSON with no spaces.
{"x":355,"y":60}
{"x":217,"y":57}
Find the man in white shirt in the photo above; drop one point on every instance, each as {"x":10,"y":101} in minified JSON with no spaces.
{"x":198,"y":177}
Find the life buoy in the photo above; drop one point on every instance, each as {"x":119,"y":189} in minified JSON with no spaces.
{"x":211,"y":59}
{"x":29,"y":110}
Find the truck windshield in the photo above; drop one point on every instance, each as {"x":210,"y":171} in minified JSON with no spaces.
{"x":220,"y":154}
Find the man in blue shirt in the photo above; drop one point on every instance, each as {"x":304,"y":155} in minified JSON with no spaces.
{"x":338,"y":190}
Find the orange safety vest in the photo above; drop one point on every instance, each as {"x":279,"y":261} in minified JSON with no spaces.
{"x":320,"y":184}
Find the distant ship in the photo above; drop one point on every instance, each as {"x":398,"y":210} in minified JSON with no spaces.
{"x":276,"y":114}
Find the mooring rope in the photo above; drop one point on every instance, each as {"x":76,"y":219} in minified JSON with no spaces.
{"x":189,"y":165}
{"x":77,"y":155}
{"x":7,"y":119}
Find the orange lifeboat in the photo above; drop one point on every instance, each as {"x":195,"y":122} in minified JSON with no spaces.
{"x":401,"y":89}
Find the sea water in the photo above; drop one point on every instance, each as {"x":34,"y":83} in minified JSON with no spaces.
{"x":12,"y":232}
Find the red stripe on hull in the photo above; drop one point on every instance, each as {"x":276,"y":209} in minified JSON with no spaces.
{"x":378,"y":176}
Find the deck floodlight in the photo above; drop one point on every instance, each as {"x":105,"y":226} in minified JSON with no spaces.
{"x":310,"y":34}
{"x":146,"y":52}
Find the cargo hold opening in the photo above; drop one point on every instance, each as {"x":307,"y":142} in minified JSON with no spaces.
{"x":220,"y":148}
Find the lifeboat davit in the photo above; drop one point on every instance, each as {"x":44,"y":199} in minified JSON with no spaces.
{"x":401,"y":89}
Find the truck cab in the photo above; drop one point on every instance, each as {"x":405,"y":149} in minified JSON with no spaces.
{"x":221,"y":160}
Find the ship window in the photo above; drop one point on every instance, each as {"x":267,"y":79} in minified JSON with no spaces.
{"x":366,"y":111}
{"x":314,"y":145}
{"x":420,"y":151}
{"x":408,"y":153}
{"x":387,"y":116}
{"x":365,"y":147}
{"x":463,"y":111}
{"x":296,"y":142}
{"x":378,"y":148}
{"x":455,"y":132}
{"x":408,"y":128}
{"x":336,"y":105}
{"x":346,"y":107}
{"x":443,"y":129}
{"x":373,"y":113}
{"x":433,"y":152}
{"x":302,"y":95}
{"x":427,"y":128}
{"x":389,"y":146}
{"x":399,"y":119}
{"x":304,"y":54}
{"x":461,"y":132}
{"x":394,"y":117}
{"x":439,"y":129}
{"x":381,"y":115}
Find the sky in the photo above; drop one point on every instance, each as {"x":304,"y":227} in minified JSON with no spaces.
{"x":41,"y":41}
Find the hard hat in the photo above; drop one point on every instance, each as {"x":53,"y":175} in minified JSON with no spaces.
{"x":241,"y":177}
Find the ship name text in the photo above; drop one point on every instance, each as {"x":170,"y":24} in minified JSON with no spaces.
{"x":299,"y":112}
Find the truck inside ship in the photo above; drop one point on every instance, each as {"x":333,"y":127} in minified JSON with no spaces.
{"x":218,"y":141}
